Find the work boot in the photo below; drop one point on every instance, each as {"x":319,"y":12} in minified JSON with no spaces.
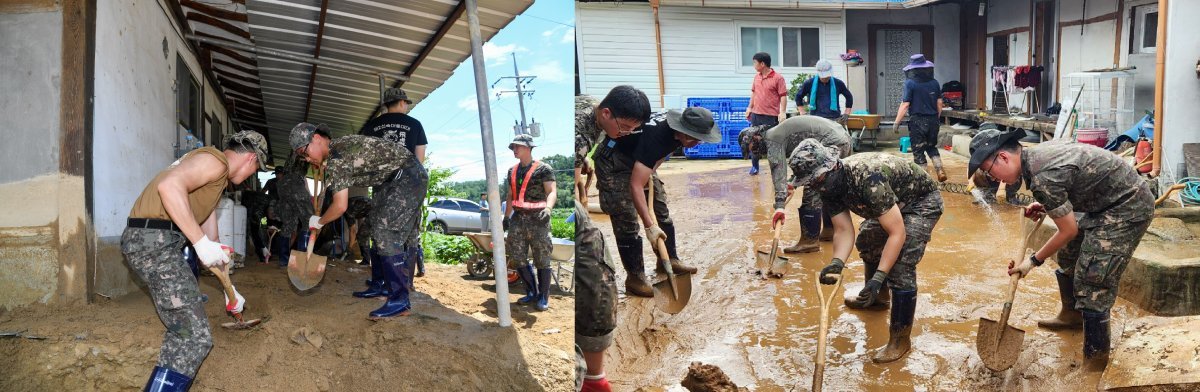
{"x":903,"y":308}
{"x":810,"y":228}
{"x":881,"y":301}
{"x":1068,"y":317}
{"x":676,"y":266}
{"x":544,"y":278}
{"x":420,"y":262}
{"x":167,"y":380}
{"x":376,"y":286}
{"x":937,"y":166}
{"x":630,"y":251}
{"x":396,"y":270}
{"x":804,"y":245}
{"x":1096,"y":338}
{"x":531,"y":286}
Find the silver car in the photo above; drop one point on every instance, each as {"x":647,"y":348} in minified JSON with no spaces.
{"x":452,"y":215}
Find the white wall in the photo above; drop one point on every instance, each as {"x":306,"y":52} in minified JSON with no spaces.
{"x":1007,"y":14}
{"x":1182,"y":87}
{"x":135,"y":119}
{"x":700,"y":48}
{"x":1144,"y":78}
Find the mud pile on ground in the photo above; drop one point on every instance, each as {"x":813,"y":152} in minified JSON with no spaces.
{"x":319,"y":341}
{"x":708,"y":378}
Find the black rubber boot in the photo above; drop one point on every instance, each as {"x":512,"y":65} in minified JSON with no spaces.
{"x":881,"y":302}
{"x":1096,"y":338}
{"x":377,"y":286}
{"x":396,"y":270}
{"x":826,"y":227}
{"x":904,"y":306}
{"x":544,"y":278}
{"x":676,"y":266}
{"x":167,"y":380}
{"x":630,"y":250}
{"x":531,"y":286}
{"x":1068,"y":317}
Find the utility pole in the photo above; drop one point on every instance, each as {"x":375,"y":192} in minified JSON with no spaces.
{"x":523,"y":127}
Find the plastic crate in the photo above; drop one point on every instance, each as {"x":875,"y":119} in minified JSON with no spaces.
{"x":702,"y":151}
{"x":730,"y":116}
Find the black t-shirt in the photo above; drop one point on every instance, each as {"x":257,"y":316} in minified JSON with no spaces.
{"x":397,"y":128}
{"x":655,"y":141}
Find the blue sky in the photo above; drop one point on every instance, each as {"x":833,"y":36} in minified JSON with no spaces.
{"x":543,"y":39}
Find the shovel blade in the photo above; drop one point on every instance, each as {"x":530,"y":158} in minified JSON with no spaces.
{"x":306,"y":271}
{"x":664,"y":294}
{"x":769,"y":265}
{"x":998,"y":345}
{"x":242,"y":324}
{"x":762,"y":262}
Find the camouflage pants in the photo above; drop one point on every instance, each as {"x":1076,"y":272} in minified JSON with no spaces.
{"x":529,"y":235}
{"x":923,"y":134}
{"x":1100,"y":255}
{"x":363,"y":235}
{"x":155,"y":256}
{"x":596,"y":287}
{"x":919,"y":219}
{"x":396,"y":211}
{"x":292,"y":215}
{"x":612,"y":179}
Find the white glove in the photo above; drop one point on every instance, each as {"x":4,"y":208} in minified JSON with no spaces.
{"x":653,"y":233}
{"x":211,"y":254}
{"x":236,"y":307}
{"x":314,"y":222}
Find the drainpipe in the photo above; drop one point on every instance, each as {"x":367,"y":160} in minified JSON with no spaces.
{"x":662,"y":90}
{"x":1160,"y":64}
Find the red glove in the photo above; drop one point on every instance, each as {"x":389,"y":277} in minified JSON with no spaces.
{"x":777,"y":219}
{"x":1034,"y":210}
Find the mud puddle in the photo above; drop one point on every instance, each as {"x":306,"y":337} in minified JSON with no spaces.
{"x":763,"y":334}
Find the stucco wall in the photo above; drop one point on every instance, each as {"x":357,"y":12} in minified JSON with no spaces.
{"x":30,"y":70}
{"x":1182,"y":90}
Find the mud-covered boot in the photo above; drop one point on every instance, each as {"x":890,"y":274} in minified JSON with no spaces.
{"x":1096,"y":339}
{"x":167,"y":380}
{"x":630,"y":251}
{"x":676,"y":266}
{"x":531,"y":286}
{"x":937,"y":166}
{"x":810,"y":228}
{"x":826,"y":234}
{"x":881,"y":302}
{"x":804,"y":245}
{"x":1068,"y":317}
{"x":904,"y":305}
{"x":544,"y":278}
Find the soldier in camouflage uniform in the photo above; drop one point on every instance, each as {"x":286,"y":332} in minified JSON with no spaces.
{"x":399,"y":183}
{"x":780,"y":141}
{"x":531,"y":193}
{"x":1101,"y":207}
{"x":897,"y":199}
{"x":292,"y":207}
{"x":621,"y":112}
{"x":178,"y":207}
{"x":595,"y":300}
{"x":624,"y":167}
{"x":360,"y":211}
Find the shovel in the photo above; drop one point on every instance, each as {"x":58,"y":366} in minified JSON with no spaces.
{"x":771,"y":264}
{"x":231,"y":293}
{"x":826,"y":300}
{"x":306,"y":269}
{"x":998,"y":343}
{"x":671,"y":295}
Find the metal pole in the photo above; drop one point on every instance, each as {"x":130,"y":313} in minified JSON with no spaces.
{"x":489,"y":164}
{"x":520,"y":95}
{"x":271,"y":53}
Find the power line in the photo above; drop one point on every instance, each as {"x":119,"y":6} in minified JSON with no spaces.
{"x":549,"y":20}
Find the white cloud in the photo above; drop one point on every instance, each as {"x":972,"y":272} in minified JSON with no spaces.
{"x":569,"y":36}
{"x":469,"y":102}
{"x":551,"y":71}
{"x":499,"y":54}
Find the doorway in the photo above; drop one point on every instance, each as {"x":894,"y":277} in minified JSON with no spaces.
{"x":893,"y":44}
{"x":1043,"y":49}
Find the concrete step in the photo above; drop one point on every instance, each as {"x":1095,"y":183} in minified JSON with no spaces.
{"x":1155,"y":354}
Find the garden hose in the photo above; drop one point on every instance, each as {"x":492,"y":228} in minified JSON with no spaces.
{"x":1190,"y":194}
{"x":965,"y":189}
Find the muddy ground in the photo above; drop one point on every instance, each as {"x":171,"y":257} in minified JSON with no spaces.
{"x":320,"y":341}
{"x":763,"y":334}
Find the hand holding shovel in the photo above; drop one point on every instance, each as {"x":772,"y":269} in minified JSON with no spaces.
{"x":998,"y":343}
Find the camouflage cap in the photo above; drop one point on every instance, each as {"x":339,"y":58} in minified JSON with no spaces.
{"x":522,"y":140}
{"x":301,"y":135}
{"x":984,"y":144}
{"x":810,"y":160}
{"x":394,"y":94}
{"x":255,"y":141}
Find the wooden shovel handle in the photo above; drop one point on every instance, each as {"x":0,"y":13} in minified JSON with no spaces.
{"x":660,"y":246}
{"x":1012,"y":291}
{"x":226,"y":285}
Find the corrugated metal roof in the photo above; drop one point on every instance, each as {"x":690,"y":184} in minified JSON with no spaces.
{"x":271,"y":92}
{"x":794,"y":4}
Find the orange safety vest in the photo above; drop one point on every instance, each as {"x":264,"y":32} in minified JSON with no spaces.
{"x":520,"y":202}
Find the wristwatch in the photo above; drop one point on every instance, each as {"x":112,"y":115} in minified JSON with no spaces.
{"x":1033,"y":259}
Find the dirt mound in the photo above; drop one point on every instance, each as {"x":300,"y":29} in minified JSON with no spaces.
{"x":708,"y":378}
{"x":319,"y":341}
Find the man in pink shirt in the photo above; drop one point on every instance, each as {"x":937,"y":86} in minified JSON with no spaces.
{"x":768,"y":99}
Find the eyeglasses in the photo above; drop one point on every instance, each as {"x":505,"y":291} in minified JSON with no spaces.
{"x":988,"y":172}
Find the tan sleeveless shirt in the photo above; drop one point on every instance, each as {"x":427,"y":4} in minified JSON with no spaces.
{"x":202,"y":201}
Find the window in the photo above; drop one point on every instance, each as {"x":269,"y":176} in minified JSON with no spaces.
{"x":469,"y":206}
{"x":187,"y":97}
{"x":800,"y":46}
{"x":1144,"y":34}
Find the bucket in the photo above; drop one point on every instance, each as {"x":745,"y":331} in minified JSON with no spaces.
{"x":905,"y":145}
{"x":1095,"y":136}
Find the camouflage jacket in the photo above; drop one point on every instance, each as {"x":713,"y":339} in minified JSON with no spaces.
{"x":294,"y":196}
{"x":783,"y":138}
{"x":536,"y":191}
{"x":870,"y":184}
{"x":357,"y":160}
{"x":1071,"y":177}
{"x":587,"y":133}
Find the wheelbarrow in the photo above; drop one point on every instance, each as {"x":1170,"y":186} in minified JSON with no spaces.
{"x":563,"y":256}
{"x":479,"y":263}
{"x":862,"y":128}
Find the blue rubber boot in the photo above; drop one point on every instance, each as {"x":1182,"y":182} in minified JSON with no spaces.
{"x":544,"y":278}
{"x":167,"y":380}
{"x":377,"y":286}
{"x":396,"y":270}
{"x":753,"y":165}
{"x":531,"y":286}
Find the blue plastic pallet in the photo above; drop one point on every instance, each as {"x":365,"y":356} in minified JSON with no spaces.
{"x":730,"y":115}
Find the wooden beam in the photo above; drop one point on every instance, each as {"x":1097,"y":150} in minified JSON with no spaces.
{"x":214,"y":11}
{"x":236,"y":67}
{"x":231,"y":75}
{"x":235,"y":86}
{"x":76,"y":263}
{"x":312,"y":76}
{"x":1013,"y":30}
{"x":1101,"y":18}
{"x":218,"y":23}
{"x":233,"y":54}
